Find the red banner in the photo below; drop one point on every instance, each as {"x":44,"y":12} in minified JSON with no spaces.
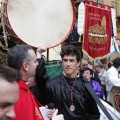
{"x":97,"y":34}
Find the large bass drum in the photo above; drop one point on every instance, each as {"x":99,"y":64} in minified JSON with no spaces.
{"x":114,"y":97}
{"x":112,"y":111}
{"x":39,"y":22}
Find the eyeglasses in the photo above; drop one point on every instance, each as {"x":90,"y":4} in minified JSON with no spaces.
{"x":85,"y":65}
{"x":86,"y":73}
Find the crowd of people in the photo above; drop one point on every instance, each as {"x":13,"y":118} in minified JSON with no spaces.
{"x":22,"y":105}
{"x":28,"y":86}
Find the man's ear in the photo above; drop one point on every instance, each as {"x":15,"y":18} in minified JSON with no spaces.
{"x":25,"y":66}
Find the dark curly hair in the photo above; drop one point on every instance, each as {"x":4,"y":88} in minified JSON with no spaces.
{"x":91,"y":71}
{"x":116,"y":62}
{"x":70,"y":50}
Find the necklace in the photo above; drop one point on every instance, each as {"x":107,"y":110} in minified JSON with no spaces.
{"x":72,"y":107}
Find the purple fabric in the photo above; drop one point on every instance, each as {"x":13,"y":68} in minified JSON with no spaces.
{"x":97,"y":88}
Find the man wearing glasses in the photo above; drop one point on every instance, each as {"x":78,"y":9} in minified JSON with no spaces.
{"x":84,"y":65}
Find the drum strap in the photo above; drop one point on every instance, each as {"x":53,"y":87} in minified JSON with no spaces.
{"x":92,"y":92}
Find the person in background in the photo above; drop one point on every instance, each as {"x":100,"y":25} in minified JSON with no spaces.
{"x":104,"y":62}
{"x":88,"y":74}
{"x":102,"y":75}
{"x":110,"y":62}
{"x":9,"y":91}
{"x":111,"y":59}
{"x":68,"y":92}
{"x":113,"y":75}
{"x":84,"y":65}
{"x":23,"y":58}
{"x":90,"y":64}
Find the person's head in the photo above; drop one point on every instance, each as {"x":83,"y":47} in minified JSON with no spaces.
{"x":9,"y":91}
{"x":90,"y":64}
{"x":23,"y":58}
{"x":111,"y":59}
{"x":70,"y":60}
{"x":116,"y":63}
{"x":98,"y":66}
{"x":104,"y":61}
{"x":83,"y":63}
{"x":88,"y":73}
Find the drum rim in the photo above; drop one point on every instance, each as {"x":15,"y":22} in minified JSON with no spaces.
{"x":65,"y":37}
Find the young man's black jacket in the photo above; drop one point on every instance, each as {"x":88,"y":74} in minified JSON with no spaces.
{"x":58,"y":93}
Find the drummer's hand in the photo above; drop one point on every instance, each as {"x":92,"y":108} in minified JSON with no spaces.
{"x":57,"y":117}
{"x":41,"y":49}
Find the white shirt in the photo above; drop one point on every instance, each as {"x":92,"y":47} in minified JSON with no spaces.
{"x":112,"y":78}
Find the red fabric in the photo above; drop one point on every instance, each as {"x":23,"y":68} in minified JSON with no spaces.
{"x":95,"y":20}
{"x":119,"y":102}
{"x":118,"y":40}
{"x":27,"y":108}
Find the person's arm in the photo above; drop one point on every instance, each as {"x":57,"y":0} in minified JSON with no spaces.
{"x":41,"y":73}
{"x":41,"y":76}
{"x":48,"y":96}
{"x":40,"y":50}
{"x":112,"y":77}
{"x":99,"y":90}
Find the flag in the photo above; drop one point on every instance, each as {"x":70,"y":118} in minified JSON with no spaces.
{"x":114,"y":47}
{"x":81,"y":18}
{"x":97,"y":32}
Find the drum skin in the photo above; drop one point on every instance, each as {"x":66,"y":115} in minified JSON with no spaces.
{"x":40,"y":22}
{"x":114,"y":97}
{"x":112,"y":111}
